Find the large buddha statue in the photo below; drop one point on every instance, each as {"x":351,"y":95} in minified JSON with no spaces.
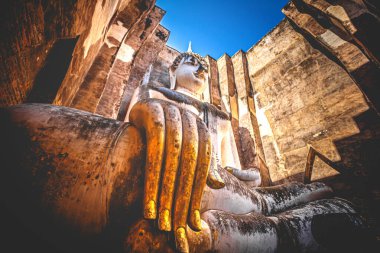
{"x":167,"y":179}
{"x":237,"y":216}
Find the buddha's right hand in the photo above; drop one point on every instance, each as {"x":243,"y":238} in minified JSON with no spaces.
{"x":177,"y":166}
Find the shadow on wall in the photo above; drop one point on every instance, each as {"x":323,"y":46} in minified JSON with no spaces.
{"x":360,"y":155}
{"x":359,"y":176}
{"x":51,"y":75}
{"x":248,"y":156}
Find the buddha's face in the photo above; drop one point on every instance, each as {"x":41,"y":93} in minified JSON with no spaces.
{"x":191,"y":75}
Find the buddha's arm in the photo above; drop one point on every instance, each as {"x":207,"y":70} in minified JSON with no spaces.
{"x":228,"y":151}
{"x":230,"y":157}
{"x":296,"y":230}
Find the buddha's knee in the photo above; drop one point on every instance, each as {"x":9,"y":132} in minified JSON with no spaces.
{"x":304,"y":229}
{"x":251,"y":232}
{"x":72,"y":165}
{"x":280,"y":198}
{"x":297,"y":230}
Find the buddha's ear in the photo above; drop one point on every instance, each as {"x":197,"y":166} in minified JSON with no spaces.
{"x":172,"y":77}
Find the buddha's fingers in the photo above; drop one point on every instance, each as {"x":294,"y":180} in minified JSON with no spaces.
{"x":173,"y":145}
{"x":149,"y":116}
{"x":203,"y":165}
{"x":186,"y":178}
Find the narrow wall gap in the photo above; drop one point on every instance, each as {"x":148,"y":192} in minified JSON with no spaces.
{"x":51,"y":75}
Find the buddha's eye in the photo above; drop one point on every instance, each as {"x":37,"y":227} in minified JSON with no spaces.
{"x":192,"y":61}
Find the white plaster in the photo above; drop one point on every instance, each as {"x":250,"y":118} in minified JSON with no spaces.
{"x":117,"y":31}
{"x":341,"y":14}
{"x":125,"y":53}
{"x":147,"y":75}
{"x":243,"y":107}
{"x":100,"y":19}
{"x":109,"y":44}
{"x":225,"y":101}
{"x":265,"y":129}
{"x":332,"y":40}
{"x":338,"y":12}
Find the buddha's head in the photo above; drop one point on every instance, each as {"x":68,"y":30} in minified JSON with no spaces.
{"x":189,"y":72}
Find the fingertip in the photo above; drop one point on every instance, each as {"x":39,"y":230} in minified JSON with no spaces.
{"x":195,"y":220}
{"x":181,"y":240}
{"x":214,"y":180}
{"x":229,"y":169}
{"x":150,"y":210}
{"x":164,"y":220}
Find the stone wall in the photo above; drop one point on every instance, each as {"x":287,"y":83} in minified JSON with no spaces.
{"x":315,"y":80}
{"x":307,"y":98}
{"x":29,"y":29}
{"x":112,"y":64}
{"x":103,"y":43}
{"x":345,"y":30}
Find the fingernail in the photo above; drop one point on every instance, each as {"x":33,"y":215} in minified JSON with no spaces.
{"x":229,"y":169}
{"x":181,"y":240}
{"x":197,"y":220}
{"x":150,"y":210}
{"x":164,"y":220}
{"x":215,"y":181}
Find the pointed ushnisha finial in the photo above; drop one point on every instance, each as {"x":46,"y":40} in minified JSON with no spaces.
{"x":189,"y":50}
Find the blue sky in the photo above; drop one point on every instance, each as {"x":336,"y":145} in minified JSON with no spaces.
{"x":218,"y":27}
